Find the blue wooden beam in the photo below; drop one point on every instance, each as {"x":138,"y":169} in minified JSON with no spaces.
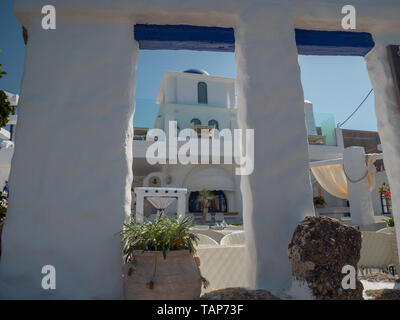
{"x":309,"y":42}
{"x":184,"y":37}
{"x":333,"y":43}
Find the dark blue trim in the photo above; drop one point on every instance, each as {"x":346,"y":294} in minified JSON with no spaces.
{"x":333,"y":43}
{"x":221,"y":197}
{"x":184,"y":37}
{"x":309,"y":42}
{"x":196,"y":121}
{"x":202,"y":93}
{"x":213,"y":122}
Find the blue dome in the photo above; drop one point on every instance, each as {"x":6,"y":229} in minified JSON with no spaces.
{"x":197,"y":71}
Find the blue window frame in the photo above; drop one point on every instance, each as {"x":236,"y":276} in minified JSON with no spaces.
{"x":202,"y":93}
{"x":196,"y":122}
{"x":386,"y":205}
{"x":213,"y":123}
{"x":219,"y":202}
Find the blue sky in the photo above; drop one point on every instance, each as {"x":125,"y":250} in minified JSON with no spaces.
{"x":335,"y":85}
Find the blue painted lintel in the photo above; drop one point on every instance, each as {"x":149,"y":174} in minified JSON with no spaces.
{"x":309,"y":42}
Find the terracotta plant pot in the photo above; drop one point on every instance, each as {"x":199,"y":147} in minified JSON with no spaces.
{"x":151,"y":277}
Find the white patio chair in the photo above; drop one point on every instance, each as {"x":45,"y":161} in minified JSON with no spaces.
{"x":385,"y":230}
{"x":215,"y":235}
{"x":231,"y":227}
{"x":200,"y":227}
{"x":233,"y":238}
{"x":376,"y":251}
{"x":203,"y":239}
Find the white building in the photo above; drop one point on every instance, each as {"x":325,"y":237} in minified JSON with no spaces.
{"x":195,"y":100}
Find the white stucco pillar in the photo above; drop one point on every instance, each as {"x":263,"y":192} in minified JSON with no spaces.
{"x":181,"y":206}
{"x":361,"y":208}
{"x":387,"y":111}
{"x":278,"y":195}
{"x":71,"y":171}
{"x":139,"y":212}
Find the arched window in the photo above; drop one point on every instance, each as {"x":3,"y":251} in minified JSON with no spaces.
{"x":196,"y":122}
{"x":213,"y":123}
{"x":202,"y":92}
{"x":218,"y":203}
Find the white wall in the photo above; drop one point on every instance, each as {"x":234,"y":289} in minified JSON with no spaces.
{"x":71,"y":187}
{"x":181,"y":88}
{"x":184,"y":114}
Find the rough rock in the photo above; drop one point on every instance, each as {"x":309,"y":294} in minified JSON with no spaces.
{"x":378,"y":277}
{"x":383,"y":294}
{"x":319,"y":249}
{"x":238,"y":294}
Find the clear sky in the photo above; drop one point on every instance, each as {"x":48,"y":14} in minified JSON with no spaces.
{"x":335,"y":85}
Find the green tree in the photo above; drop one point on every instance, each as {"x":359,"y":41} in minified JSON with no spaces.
{"x":5,"y":108}
{"x":205,"y":196}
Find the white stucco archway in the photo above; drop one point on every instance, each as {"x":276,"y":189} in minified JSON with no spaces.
{"x":209,"y":178}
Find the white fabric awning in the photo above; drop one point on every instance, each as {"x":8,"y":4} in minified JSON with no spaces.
{"x":160,"y":202}
{"x":332,"y":177}
{"x":211,"y":179}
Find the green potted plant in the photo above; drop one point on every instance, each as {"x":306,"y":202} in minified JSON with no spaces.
{"x":5,"y":108}
{"x":159,"y":260}
{"x":319,"y":202}
{"x":3,"y":212}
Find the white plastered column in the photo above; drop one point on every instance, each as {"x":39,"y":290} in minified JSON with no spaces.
{"x":354,"y":165}
{"x":278,"y":195}
{"x":139,"y":210}
{"x":387,"y":111}
{"x":181,"y":206}
{"x":72,"y":167}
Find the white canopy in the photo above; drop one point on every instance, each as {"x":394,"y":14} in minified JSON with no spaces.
{"x":160,"y":202}
{"x":331,"y":176}
{"x":211,"y":179}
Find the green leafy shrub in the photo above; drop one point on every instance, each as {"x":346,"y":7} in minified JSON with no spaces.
{"x":3,"y":206}
{"x":161,"y":235}
{"x":390,"y":222}
{"x":5,"y":108}
{"x":319,"y":201}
